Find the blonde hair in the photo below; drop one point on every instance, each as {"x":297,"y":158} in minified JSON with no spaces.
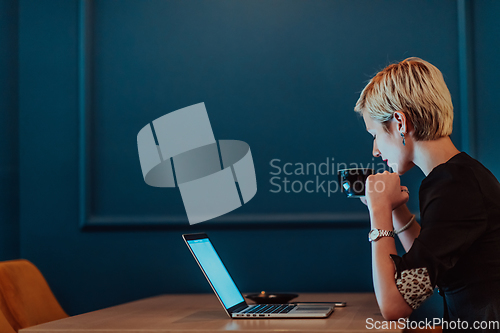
{"x":416,"y":88}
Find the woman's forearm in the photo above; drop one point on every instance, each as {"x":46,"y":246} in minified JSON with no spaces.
{"x":391,"y":302}
{"x":401,"y":216}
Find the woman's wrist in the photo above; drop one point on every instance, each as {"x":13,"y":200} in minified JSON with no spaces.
{"x":401,"y":216}
{"x":381,"y":217}
{"x":401,"y":209}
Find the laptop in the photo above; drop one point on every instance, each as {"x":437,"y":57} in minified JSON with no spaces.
{"x":231,"y":298}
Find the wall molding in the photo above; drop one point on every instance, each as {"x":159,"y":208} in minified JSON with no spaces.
{"x":84,"y":98}
{"x":466,"y":76}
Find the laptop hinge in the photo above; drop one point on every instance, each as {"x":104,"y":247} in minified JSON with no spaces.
{"x":238,"y":307}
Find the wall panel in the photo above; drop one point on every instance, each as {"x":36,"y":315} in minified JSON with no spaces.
{"x":282,"y":77}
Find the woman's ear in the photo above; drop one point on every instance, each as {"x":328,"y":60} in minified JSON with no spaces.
{"x":400,"y":119}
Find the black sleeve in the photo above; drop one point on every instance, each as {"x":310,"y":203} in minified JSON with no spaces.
{"x":453,"y":216}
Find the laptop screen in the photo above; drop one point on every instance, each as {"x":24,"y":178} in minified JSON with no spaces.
{"x":216,"y":272}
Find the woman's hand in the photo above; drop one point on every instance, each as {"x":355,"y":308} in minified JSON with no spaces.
{"x":385,"y":190}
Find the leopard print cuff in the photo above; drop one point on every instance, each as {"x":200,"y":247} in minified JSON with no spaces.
{"x":415,"y":286}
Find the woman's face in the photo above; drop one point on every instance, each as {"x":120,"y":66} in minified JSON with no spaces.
{"x":389,"y":145}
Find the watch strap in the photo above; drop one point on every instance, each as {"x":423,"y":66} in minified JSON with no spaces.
{"x":386,"y":233}
{"x":380,"y":233}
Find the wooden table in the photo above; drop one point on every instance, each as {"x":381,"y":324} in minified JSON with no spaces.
{"x":203,"y":313}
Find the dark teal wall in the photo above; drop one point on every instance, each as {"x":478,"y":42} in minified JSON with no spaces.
{"x":9,"y":160}
{"x":280,"y":75}
{"x":487,"y":84}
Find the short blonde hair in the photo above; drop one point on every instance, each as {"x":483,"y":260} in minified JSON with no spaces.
{"x":416,"y":88}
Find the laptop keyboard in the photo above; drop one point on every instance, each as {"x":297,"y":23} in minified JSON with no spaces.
{"x":270,"y":308}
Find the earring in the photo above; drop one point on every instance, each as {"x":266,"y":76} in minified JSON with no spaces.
{"x":403,"y":136}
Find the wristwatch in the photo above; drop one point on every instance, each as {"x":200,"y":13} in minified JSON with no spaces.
{"x":376,"y":234}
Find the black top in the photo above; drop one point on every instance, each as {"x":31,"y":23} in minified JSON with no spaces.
{"x":459,"y":241}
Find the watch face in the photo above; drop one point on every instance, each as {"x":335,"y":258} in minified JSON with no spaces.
{"x":374,"y":234}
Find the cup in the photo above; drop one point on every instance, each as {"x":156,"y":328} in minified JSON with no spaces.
{"x":353,"y":181}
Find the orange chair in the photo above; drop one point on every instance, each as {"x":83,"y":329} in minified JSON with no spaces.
{"x":25,"y":297}
{"x":4,"y":325}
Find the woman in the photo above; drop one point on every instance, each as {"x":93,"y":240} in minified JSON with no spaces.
{"x":407,"y":109}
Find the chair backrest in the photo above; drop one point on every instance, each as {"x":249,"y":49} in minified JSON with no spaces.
{"x":25,"y":297}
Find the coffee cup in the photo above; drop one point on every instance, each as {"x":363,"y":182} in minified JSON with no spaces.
{"x":353,"y":181}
